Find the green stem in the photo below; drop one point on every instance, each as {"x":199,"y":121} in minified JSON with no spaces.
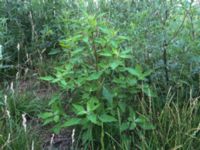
{"x":102,"y":137}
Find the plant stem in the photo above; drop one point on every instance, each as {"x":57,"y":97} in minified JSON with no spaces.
{"x":102,"y":137}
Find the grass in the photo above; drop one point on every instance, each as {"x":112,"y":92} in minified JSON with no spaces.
{"x":177,"y":123}
{"x":12,"y":131}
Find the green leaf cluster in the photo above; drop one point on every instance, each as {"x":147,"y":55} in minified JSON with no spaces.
{"x":105,"y":81}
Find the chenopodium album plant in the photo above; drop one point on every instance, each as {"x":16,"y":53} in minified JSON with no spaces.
{"x":103,"y":79}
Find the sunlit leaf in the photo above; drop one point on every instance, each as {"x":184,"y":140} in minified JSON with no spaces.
{"x":71,"y":122}
{"x":107,"y":118}
{"x":79,"y":110}
{"x":95,"y":76}
{"x":93,"y":118}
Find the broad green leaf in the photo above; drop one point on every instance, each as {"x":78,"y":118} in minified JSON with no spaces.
{"x":101,"y":41}
{"x":76,"y":52}
{"x":122,"y":106}
{"x":132,"y":126}
{"x":54,"y":99}
{"x":47,"y":121}
{"x":107,"y":118}
{"x":56,"y":129}
{"x":92,"y":104}
{"x":63,"y":83}
{"x":45,"y":115}
{"x":56,"y":118}
{"x":124,"y":126}
{"x":72,"y":122}
{"x":92,"y":117}
{"x":54,"y":52}
{"x":77,"y":37}
{"x":147,"y":73}
{"x":132,"y":82}
{"x":91,"y":87}
{"x":138,"y":68}
{"x":141,"y":120}
{"x":134,"y":72}
{"x":114,"y":44}
{"x":137,"y":71}
{"x":132,"y":114}
{"x":55,"y":80}
{"x":104,"y":30}
{"x":126,"y":54}
{"x":79,"y":110}
{"x":86,"y":40}
{"x":115,"y":64}
{"x":106,"y":53}
{"x":94,"y":76}
{"x":107,"y":95}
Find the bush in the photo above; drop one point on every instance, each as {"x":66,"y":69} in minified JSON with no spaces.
{"x":103,"y":81}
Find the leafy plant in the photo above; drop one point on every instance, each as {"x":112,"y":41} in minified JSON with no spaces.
{"x":102,"y":79}
{"x":118,"y":66}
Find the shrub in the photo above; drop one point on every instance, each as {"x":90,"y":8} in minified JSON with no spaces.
{"x":102,"y":80}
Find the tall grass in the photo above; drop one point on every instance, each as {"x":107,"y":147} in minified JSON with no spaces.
{"x":176,"y":118}
{"x":18,"y":122}
{"x":177,"y":124}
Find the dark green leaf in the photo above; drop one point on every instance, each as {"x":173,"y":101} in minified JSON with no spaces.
{"x":122,"y":106}
{"x":54,"y":52}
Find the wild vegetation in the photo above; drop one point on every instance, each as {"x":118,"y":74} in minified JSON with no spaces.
{"x":105,"y":74}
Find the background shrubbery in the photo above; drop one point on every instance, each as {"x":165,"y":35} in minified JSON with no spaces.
{"x":125,"y":72}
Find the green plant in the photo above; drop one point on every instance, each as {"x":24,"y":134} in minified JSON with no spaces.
{"x":13,"y":134}
{"x":55,"y":113}
{"x":103,"y":81}
{"x":177,"y":124}
{"x":31,"y":29}
{"x":105,"y":65}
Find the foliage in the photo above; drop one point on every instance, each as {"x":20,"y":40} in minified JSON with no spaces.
{"x":102,"y":78}
{"x":118,"y":67}
{"x":30,"y":29}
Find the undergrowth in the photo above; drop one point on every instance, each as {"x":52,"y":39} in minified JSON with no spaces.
{"x":117,"y":74}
